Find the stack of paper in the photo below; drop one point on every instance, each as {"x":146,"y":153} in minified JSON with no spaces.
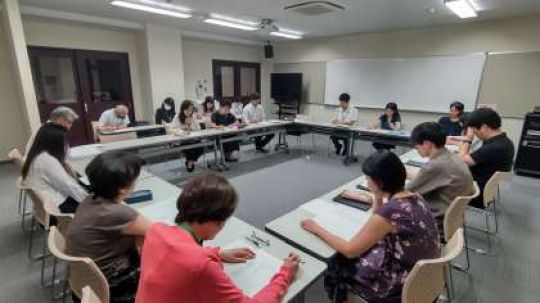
{"x":341,"y":220}
{"x":255,"y":274}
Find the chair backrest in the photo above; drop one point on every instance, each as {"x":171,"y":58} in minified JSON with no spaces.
{"x":428,"y":277}
{"x":16,"y":156}
{"x":89,"y":296}
{"x":81,"y":271}
{"x":455,"y":214}
{"x":42,"y":208}
{"x":490,"y":189}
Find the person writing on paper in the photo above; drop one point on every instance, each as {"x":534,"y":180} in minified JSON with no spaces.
{"x":495,"y":154}
{"x":237,"y":108}
{"x":444,"y":177}
{"x":45,"y":169}
{"x":346,"y":114}
{"x":166,"y":113}
{"x":106,"y":229}
{"x":222,"y":118}
{"x":176,"y":268}
{"x":184,"y":123}
{"x":254,"y":113}
{"x":453,"y":124}
{"x":61,"y":115}
{"x":401,"y":231}
{"x":389,"y":120}
{"x":114,"y":118}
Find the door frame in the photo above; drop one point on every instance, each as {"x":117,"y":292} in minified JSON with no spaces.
{"x":236,"y":65}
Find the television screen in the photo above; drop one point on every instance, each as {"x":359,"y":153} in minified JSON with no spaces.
{"x":286,"y":87}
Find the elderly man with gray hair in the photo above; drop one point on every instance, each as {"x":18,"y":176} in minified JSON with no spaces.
{"x":114,"y":118}
{"x":61,"y":115}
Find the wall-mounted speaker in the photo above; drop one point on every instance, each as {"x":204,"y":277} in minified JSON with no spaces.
{"x":268,"y":51}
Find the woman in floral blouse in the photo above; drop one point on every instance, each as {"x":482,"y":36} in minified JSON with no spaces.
{"x":401,"y":231}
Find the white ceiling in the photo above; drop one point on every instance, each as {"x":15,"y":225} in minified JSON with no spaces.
{"x":359,"y":15}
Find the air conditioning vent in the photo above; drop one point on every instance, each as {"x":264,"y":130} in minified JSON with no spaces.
{"x":314,"y":8}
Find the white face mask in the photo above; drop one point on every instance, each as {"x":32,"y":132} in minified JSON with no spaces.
{"x":167,"y":107}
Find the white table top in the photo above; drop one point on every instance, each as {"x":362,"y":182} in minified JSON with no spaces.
{"x":130,"y":129}
{"x":81,"y":163}
{"x":235,"y":229}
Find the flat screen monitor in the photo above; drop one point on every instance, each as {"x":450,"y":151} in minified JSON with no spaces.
{"x":286,"y":87}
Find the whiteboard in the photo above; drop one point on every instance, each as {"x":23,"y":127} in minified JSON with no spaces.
{"x":421,"y":84}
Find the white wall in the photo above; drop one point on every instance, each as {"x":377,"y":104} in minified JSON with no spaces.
{"x":12,"y":118}
{"x":83,"y":36}
{"x":508,"y":35}
{"x":198,"y":55}
{"x":165,"y":63}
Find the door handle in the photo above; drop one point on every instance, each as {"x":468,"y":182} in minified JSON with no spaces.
{"x":86,"y":108}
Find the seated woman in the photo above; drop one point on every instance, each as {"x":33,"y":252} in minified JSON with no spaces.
{"x":453,"y":124}
{"x":401,"y":231}
{"x":223,"y":117}
{"x":208,"y":108}
{"x":106,"y":229}
{"x":186,"y":122}
{"x":389,"y":120}
{"x":166,"y":113}
{"x":176,"y":268}
{"x":46,"y":170}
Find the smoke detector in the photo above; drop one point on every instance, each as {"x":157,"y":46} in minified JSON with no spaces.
{"x":314,"y":8}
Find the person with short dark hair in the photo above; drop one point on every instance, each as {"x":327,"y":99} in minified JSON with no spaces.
{"x":106,"y":229}
{"x":223,"y":117}
{"x":444,"y":177}
{"x":254,"y":113}
{"x":347,"y":115}
{"x":46,"y":170}
{"x":400,"y":232}
{"x":495,"y":154}
{"x":167,"y":111}
{"x":389,"y":120}
{"x":184,"y":123}
{"x":453,"y":124}
{"x":176,"y":268}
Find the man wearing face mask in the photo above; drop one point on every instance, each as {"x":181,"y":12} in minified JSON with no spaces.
{"x":114,"y":118}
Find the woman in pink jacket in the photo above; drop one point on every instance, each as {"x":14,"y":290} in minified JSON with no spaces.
{"x":176,"y":268}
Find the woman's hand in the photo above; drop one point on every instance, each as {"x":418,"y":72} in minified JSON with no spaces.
{"x":236,"y":255}
{"x":292,"y":263}
{"x":311,"y":226}
{"x":360,"y":196}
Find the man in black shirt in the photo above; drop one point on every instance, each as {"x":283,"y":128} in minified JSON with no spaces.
{"x":223,"y":117}
{"x":496,"y":153}
{"x":453,"y":124}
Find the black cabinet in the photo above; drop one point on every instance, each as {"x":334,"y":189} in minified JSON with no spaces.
{"x":528,"y":156}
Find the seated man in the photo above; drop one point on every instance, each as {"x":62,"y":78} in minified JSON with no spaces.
{"x":495,"y":154}
{"x":444,"y":177}
{"x":254,"y":113}
{"x":114,"y":118}
{"x":346,"y":114}
{"x":223,"y":117}
{"x":453,"y":124}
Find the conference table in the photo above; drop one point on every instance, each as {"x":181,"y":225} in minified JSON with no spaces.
{"x":287,"y":227}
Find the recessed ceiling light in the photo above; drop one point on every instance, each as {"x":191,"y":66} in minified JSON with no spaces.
{"x":285,"y":35}
{"x":234,"y":20}
{"x":230,"y":24}
{"x":462,"y":8}
{"x":154,"y":7}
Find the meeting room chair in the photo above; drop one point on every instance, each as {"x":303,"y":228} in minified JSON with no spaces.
{"x":491,"y":197}
{"x":454,"y":219}
{"x":17,"y":158}
{"x":89,"y":296}
{"x":80,"y":272}
{"x":299,"y":133}
{"x":428,"y":278}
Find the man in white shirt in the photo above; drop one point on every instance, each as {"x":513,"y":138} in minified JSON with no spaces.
{"x":237,"y":108}
{"x":114,"y":118}
{"x":61,"y":115}
{"x":346,"y":115}
{"x":254,"y":113}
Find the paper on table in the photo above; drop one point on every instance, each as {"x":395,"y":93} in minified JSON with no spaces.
{"x":318,"y":206}
{"x":254,"y":274}
{"x":344,"y":224}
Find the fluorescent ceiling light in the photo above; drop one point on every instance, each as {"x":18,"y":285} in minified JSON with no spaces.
{"x":285,"y":35}
{"x":154,"y":7}
{"x":290,"y":31}
{"x":234,"y":20}
{"x":462,"y":8}
{"x":230,"y":24}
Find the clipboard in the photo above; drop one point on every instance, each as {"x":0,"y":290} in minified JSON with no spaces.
{"x":352,"y":203}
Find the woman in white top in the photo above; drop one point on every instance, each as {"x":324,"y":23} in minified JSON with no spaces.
{"x":184,"y":123}
{"x":46,"y":170}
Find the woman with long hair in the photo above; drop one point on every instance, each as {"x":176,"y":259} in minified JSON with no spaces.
{"x":166,"y":112}
{"x":186,"y":122}
{"x":45,"y":168}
